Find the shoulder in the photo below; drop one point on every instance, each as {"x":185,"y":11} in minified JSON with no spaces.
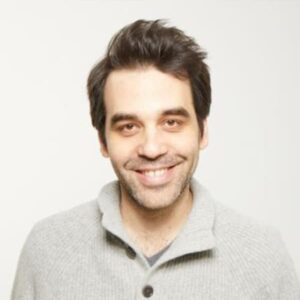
{"x":234,"y":230}
{"x":83,"y":213}
{"x":244,"y":233}
{"x":230,"y":223}
{"x":70,"y":229}
{"x":251,"y":249}
{"x":57,"y":243}
{"x":255,"y":255}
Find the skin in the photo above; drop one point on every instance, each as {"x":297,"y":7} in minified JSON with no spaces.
{"x":153,"y":142}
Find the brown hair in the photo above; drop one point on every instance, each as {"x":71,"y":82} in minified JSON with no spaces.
{"x":144,"y":43}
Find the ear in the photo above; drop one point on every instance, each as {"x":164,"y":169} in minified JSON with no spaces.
{"x":103,"y":147}
{"x":204,"y":139}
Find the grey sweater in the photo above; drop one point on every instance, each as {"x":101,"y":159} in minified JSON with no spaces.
{"x":85,"y":254}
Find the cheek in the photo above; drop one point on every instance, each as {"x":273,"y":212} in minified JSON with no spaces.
{"x":187,"y":143}
{"x":188,"y":149}
{"x":119,"y":152}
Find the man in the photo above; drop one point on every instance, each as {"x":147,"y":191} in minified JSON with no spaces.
{"x":156,"y":232}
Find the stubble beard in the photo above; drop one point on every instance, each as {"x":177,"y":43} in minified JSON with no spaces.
{"x":158,"y":198}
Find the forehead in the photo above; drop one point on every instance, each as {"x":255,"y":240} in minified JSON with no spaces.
{"x":145,"y":92}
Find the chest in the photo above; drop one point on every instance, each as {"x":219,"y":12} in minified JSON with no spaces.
{"x":122,"y":274}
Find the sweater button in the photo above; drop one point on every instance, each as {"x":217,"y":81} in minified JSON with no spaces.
{"x":130,"y":252}
{"x":148,"y":291}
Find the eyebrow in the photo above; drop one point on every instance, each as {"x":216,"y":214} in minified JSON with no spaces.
{"x":178,"y":111}
{"x":118,"y":117}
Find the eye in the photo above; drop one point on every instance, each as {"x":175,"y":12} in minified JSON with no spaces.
{"x":128,"y":129}
{"x":172,"y":123}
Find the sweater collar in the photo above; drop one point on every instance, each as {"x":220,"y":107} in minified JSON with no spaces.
{"x":195,"y":236}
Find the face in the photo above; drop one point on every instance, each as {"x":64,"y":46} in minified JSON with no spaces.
{"x":152,"y":135}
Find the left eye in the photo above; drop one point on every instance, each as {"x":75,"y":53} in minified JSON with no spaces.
{"x":171,"y":123}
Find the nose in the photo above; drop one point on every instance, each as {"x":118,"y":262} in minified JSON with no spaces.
{"x":152,"y":145}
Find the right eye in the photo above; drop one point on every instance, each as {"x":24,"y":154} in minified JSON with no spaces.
{"x":128,"y":129}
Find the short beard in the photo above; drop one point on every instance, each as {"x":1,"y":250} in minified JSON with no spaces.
{"x":137,"y":197}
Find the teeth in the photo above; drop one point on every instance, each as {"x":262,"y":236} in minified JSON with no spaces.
{"x":155,"y":173}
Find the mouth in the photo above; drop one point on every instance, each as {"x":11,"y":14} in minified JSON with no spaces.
{"x":155,"y":177}
{"x":154,"y":172}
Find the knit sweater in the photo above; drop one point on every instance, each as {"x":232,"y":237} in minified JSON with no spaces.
{"x":85,"y":254}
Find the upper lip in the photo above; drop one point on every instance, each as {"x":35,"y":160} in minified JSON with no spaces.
{"x":147,"y":169}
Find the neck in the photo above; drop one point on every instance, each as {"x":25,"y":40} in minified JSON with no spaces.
{"x":153,"y":230}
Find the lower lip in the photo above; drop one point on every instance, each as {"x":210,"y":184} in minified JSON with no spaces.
{"x":156,"y":181}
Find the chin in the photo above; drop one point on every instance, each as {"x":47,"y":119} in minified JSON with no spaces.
{"x":154,"y":206}
{"x":156,"y":199}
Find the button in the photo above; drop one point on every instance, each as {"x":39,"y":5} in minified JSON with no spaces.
{"x":130,"y":252}
{"x":148,"y":291}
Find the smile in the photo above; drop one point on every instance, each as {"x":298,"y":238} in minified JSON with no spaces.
{"x":156,"y":177}
{"x":155,"y":173}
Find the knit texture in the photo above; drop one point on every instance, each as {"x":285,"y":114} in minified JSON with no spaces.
{"x":85,"y":254}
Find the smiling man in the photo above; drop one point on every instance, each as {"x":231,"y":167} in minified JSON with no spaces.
{"x":150,"y":116}
{"x":156,"y":232}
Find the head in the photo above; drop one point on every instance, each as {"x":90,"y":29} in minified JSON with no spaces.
{"x":152,"y":80}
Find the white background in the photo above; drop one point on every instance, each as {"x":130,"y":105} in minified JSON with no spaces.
{"x":50,"y":159}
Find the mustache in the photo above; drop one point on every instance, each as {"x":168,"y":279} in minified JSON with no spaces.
{"x":141,"y":163}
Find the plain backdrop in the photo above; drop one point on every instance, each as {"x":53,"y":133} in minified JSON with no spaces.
{"x":50,"y":159}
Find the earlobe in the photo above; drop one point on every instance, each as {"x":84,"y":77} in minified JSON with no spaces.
{"x":103,"y":147}
{"x":204,"y":139}
{"x":104,"y":151}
